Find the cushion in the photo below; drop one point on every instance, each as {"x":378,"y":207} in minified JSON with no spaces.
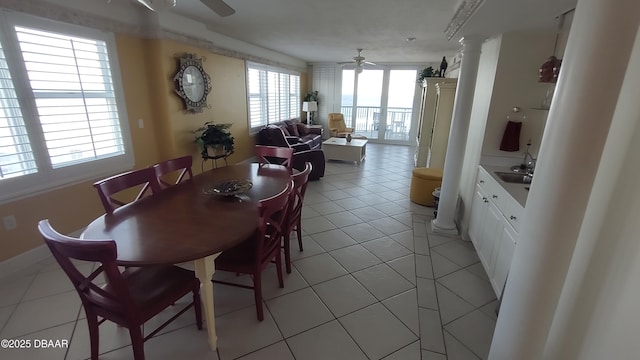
{"x":302,"y":129}
{"x":285,"y":130}
{"x":293,"y":129}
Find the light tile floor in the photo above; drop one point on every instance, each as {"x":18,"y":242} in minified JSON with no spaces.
{"x":373,"y":282}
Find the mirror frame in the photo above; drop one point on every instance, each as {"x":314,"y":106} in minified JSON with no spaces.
{"x":186,"y":61}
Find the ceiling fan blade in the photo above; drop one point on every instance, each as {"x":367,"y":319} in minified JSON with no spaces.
{"x":219,"y":7}
{"x":346,"y":62}
{"x":146,"y":4}
{"x":369,"y":63}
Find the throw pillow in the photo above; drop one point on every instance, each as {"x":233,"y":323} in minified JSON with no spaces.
{"x":302,"y":129}
{"x":291,"y":126}
{"x":285,"y":130}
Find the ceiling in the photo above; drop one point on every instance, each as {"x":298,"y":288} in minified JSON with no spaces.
{"x":331,"y":30}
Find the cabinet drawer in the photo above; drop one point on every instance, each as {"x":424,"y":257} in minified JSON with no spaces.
{"x":513,"y":213}
{"x":484,"y":179}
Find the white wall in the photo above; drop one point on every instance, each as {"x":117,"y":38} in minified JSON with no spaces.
{"x":597,"y":312}
{"x":516,"y":84}
{"x":482,"y":99}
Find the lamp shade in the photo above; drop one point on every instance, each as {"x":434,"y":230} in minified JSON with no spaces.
{"x":309,"y":106}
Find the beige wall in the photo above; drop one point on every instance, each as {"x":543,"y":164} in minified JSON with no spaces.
{"x":147,"y":68}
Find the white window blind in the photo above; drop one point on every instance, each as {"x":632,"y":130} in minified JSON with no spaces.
{"x":273,"y":95}
{"x":62,"y":114}
{"x":16,"y":156}
{"x":71,"y":82}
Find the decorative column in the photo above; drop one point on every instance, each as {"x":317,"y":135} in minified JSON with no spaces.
{"x":472,"y":46}
{"x":603,"y":32}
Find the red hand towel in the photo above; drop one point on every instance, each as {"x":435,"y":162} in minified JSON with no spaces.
{"x":511,"y":137}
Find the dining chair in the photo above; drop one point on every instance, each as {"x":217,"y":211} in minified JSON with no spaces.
{"x":129,"y":298}
{"x":274,"y":155}
{"x":181,"y":164}
{"x":254,"y":254}
{"x":294,"y":214}
{"x":108,"y":187}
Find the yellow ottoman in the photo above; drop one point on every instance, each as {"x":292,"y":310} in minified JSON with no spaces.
{"x":423,"y":183}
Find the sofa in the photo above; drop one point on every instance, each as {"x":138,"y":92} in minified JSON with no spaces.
{"x":306,"y":143}
{"x":296,"y":135}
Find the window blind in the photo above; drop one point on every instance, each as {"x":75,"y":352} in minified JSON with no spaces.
{"x":74,"y":95}
{"x":273,"y":95}
{"x":16,"y":156}
{"x":62,"y":114}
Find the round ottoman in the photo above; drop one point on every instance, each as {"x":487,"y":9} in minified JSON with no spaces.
{"x":423,"y":182}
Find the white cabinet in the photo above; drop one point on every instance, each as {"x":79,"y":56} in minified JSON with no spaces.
{"x":495,"y":219}
{"x":436,"y":109}
{"x":505,"y":247}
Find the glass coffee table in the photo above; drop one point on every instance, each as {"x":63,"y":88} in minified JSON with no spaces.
{"x":339,"y":149}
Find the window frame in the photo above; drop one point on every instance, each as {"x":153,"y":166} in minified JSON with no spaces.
{"x":47,"y":178}
{"x":264,"y":95}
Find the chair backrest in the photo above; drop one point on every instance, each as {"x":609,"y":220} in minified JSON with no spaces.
{"x":112,"y":298}
{"x":182,"y":164}
{"x":274,"y":155}
{"x":336,"y":121}
{"x":300,"y":181}
{"x":271,"y":220}
{"x":108,"y":187}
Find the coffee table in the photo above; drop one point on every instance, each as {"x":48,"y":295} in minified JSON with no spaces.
{"x":339,"y":149}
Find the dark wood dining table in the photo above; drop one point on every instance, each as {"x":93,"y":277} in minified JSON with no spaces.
{"x":182,"y":223}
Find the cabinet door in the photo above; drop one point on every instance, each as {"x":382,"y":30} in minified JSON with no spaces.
{"x":491,"y":230}
{"x":478,"y":205}
{"x":504,"y":256}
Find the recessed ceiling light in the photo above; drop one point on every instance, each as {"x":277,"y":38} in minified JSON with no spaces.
{"x":410,"y":39}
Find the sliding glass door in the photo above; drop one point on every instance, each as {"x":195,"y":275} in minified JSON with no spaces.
{"x":379,"y":103}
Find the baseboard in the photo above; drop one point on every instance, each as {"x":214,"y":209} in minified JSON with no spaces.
{"x":28,"y":258}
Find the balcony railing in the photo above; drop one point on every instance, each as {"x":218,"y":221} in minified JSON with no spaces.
{"x":367,"y":121}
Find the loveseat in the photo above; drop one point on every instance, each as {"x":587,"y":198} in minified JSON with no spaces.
{"x":306,"y":145}
{"x":296,"y":135}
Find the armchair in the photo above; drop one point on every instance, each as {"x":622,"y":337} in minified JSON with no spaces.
{"x":337,"y":126}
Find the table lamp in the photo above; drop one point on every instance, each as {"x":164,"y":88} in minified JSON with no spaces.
{"x":309,"y":107}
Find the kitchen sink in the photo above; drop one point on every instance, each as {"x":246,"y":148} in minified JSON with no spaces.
{"x":517,"y":178}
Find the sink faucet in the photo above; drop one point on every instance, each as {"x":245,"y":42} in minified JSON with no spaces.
{"x":529,"y":164}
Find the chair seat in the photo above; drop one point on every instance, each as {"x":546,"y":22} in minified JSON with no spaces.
{"x":153,"y":288}
{"x":238,"y":257}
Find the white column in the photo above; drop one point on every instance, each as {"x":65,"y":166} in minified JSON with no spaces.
{"x":601,"y":36}
{"x":444,"y":223}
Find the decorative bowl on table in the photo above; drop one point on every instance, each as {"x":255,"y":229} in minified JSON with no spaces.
{"x":229,"y":188}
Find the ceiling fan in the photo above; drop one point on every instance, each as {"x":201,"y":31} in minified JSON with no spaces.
{"x":218,"y":6}
{"x":358,"y":60}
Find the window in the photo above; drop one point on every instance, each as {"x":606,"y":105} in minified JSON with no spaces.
{"x":62,"y":117}
{"x":273,"y":94}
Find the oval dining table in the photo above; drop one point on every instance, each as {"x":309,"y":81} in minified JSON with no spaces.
{"x":182,"y":223}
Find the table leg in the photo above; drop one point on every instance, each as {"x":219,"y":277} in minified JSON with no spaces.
{"x":205,"y":268}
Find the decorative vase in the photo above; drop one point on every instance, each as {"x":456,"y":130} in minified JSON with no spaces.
{"x":349,"y":138}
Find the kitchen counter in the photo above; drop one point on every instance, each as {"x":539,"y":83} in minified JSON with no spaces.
{"x":516,"y":191}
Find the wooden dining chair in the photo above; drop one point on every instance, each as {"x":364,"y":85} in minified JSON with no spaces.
{"x":181,"y":164}
{"x":294,"y":214}
{"x":145,"y":178}
{"x":129,"y":298}
{"x":274,"y":155}
{"x":254,"y":254}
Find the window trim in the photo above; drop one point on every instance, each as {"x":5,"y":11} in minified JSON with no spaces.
{"x":279,"y":70}
{"x":47,"y":178}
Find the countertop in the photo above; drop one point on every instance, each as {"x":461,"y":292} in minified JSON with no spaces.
{"x":516,"y":191}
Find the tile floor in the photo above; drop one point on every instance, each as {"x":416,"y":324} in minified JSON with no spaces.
{"x":373,"y":282}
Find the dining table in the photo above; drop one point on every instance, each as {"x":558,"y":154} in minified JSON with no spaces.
{"x":189,"y":222}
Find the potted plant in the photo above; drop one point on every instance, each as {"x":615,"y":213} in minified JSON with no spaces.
{"x":425,"y":73}
{"x":312,"y":96}
{"x":214,"y":140}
